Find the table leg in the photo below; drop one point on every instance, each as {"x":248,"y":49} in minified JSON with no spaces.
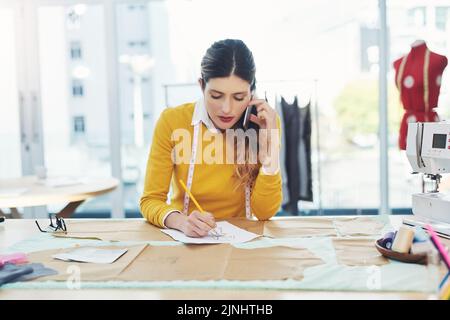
{"x":68,"y":210}
{"x":15,"y":214}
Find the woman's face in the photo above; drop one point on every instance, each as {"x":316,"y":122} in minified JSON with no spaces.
{"x":226,"y":100}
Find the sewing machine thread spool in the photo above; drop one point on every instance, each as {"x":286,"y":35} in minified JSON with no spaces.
{"x":403,"y":239}
{"x":387,"y":240}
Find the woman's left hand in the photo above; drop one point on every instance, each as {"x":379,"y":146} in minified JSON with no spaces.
{"x":267,"y":116}
{"x":266,"y":119}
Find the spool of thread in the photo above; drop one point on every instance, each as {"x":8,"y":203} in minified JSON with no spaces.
{"x":403,"y":239}
{"x":420,"y":235}
{"x":387,"y":240}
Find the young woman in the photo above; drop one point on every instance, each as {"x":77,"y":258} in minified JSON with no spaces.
{"x":223,"y":189}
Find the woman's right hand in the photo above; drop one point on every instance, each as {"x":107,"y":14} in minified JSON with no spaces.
{"x":195,"y":225}
{"x":198,"y":224}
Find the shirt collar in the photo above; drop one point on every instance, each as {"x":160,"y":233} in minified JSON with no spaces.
{"x":201,"y":114}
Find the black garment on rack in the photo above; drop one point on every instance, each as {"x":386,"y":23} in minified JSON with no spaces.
{"x":297,"y":128}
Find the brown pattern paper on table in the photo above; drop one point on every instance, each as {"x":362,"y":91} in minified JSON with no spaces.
{"x":358,"y":226}
{"x":191,"y":262}
{"x":307,"y":227}
{"x":272,"y":263}
{"x":253,"y":226}
{"x":357,"y":252}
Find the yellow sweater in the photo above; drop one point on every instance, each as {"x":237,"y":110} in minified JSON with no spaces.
{"x":213,"y":185}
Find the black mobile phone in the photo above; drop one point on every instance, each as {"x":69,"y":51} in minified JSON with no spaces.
{"x":246,"y":122}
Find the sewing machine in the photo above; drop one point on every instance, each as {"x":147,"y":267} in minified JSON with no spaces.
{"x":428,"y":152}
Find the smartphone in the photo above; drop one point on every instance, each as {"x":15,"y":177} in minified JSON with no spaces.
{"x":245,"y":122}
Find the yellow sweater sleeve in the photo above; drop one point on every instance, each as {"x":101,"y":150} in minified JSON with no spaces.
{"x":267,"y":193}
{"x":266,"y":196}
{"x":153,"y":202}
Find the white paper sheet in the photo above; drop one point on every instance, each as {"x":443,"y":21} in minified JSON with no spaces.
{"x":228,"y":233}
{"x":92,"y":255}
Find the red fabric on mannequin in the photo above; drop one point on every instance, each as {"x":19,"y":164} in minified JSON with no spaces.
{"x":418,"y":77}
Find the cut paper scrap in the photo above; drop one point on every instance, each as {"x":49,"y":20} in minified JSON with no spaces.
{"x":359,"y":226}
{"x":113,"y":230}
{"x":306,"y":227}
{"x":357,"y":252}
{"x":228,"y":233}
{"x":88,"y":271}
{"x":91,"y":255}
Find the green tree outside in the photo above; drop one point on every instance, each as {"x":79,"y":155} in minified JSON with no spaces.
{"x":357,"y":108}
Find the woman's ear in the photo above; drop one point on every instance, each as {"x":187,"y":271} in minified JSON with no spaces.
{"x":201,"y":82}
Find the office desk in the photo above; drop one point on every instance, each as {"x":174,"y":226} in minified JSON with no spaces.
{"x":38,"y":194}
{"x":13,"y":231}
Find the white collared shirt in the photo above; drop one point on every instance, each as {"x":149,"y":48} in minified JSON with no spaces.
{"x":201,"y":114}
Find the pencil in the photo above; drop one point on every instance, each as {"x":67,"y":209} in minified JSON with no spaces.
{"x":444,"y":281}
{"x":195,"y":202}
{"x":445,"y":292}
{"x":440,"y":248}
{"x":192,"y":197}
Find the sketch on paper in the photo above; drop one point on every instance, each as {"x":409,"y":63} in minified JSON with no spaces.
{"x":225,"y":232}
{"x":219,"y":234}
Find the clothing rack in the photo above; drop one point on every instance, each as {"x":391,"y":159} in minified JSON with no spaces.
{"x":314,"y":100}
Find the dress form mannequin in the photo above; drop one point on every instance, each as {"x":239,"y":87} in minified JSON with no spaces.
{"x":418,"y":77}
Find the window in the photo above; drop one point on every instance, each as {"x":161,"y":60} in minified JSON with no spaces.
{"x":142,"y":43}
{"x":79,"y":125}
{"x":10,"y":161}
{"x":74,"y":96}
{"x":369,"y":48}
{"x":442,"y":17}
{"x":77,"y":88}
{"x":132,"y":7}
{"x":75,"y":50}
{"x":417,"y":17}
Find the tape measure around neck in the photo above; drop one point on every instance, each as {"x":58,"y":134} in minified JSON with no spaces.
{"x":248,"y":212}
{"x":426,"y":64}
{"x":191,"y":168}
